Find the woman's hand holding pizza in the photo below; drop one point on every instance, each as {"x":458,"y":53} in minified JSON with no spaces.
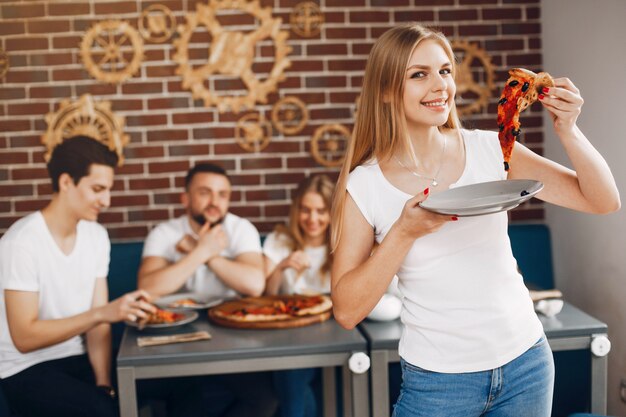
{"x":416,"y":222}
{"x":131,"y":306}
{"x":564,"y":103}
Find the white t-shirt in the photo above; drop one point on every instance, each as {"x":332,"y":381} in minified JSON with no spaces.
{"x":242,"y":237}
{"x":465,"y":306}
{"x":30,"y":260}
{"x":310,"y":281}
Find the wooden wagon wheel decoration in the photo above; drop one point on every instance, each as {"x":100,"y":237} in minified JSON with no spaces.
{"x":232,"y":53}
{"x":289,"y":115}
{"x":253,"y":132}
{"x":112,"y":51}
{"x":306,"y":19}
{"x":89,"y":118}
{"x":329,"y":144}
{"x":4,"y":63}
{"x":474,"y":83}
{"x":156,"y":23}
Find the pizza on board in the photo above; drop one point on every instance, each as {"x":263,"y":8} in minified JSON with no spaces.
{"x":521,"y":90}
{"x":272,"y":308}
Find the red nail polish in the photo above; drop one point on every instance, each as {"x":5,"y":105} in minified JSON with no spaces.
{"x":426,"y":191}
{"x":546,"y":90}
{"x":454,"y":218}
{"x":541,"y":96}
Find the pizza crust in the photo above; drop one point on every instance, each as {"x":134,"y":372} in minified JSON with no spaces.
{"x":324,"y":306}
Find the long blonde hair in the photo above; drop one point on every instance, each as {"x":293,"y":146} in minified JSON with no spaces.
{"x":380,"y":126}
{"x":318,"y":184}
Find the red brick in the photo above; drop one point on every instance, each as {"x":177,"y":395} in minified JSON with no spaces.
{"x":11,"y":93}
{"x":49,"y":92}
{"x":213,"y":133}
{"x":126,"y":104}
{"x":504,"y":44}
{"x":12,"y":28}
{"x":48,"y":26}
{"x":28,"y":109}
{"x":306,"y":65}
{"x":347,"y":64}
{"x":22,"y":11}
{"x":117,"y":7}
{"x":96,"y":89}
{"x":7,"y":221}
{"x":68,"y":9}
{"x":152,"y":119}
{"x":246,"y":211}
{"x":188,"y":118}
{"x":161,"y":71}
{"x":331,"y":113}
{"x":45,"y":59}
{"x":188,"y":150}
{"x":348,"y":32}
{"x":326,"y":81}
{"x":69,"y":74}
{"x":301,"y":162}
{"x":14,"y":125}
{"x":361,"y":48}
{"x":343,"y":97}
{"x":63,"y":42}
{"x":327,"y":49}
{"x":533,"y":13}
{"x":14,"y":190}
{"x":261,"y":163}
{"x":534,"y":43}
{"x":521,"y":28}
{"x":502,"y":14}
{"x":464,"y":2}
{"x":26,"y":77}
{"x":44,"y":189}
{"x":5,"y":206}
{"x":168,"y":103}
{"x":144,"y":152}
{"x":390,"y":3}
{"x":29,"y":43}
{"x":129,"y":168}
{"x":129,"y":200}
{"x":167,"y":135}
{"x":345,"y":3}
{"x":174,"y":166}
{"x":239,"y":180}
{"x":149,"y":183}
{"x":142,"y":87}
{"x":458,"y":14}
{"x":7,"y":158}
{"x":30,"y":205}
{"x":524,"y":60}
{"x":281,"y":210}
{"x":167,"y":198}
{"x":111,"y":216}
{"x":478,"y":30}
{"x":17,"y":61}
{"x":154,"y":55}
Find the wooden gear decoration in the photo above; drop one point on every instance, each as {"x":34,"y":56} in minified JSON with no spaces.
{"x":156,"y":23}
{"x":89,"y":118}
{"x":4,"y":63}
{"x":289,"y":115}
{"x":105,"y":47}
{"x":232,"y":53}
{"x":475,"y":93}
{"x":253,"y":132}
{"x":329,"y":144}
{"x":306,"y":19}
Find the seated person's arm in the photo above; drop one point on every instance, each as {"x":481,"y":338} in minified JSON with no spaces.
{"x":30,"y":333}
{"x":160,"y":277}
{"x":297,"y":260}
{"x":99,"y":339}
{"x":244,"y":274}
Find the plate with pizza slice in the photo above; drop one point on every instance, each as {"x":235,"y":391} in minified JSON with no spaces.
{"x":163,"y":319}
{"x":272,"y":312}
{"x":188,"y":301}
{"x":482,"y":198}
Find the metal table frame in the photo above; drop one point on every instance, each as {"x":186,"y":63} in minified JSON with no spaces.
{"x":157,"y":363}
{"x":571,"y":329}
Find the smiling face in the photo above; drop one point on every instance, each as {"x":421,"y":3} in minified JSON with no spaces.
{"x":208,"y":195}
{"x":91,"y":195}
{"x":313,"y":218}
{"x":429,"y":86}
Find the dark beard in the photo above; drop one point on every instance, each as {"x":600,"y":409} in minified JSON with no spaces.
{"x":201,"y":220}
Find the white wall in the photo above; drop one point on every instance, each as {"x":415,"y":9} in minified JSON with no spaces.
{"x":586,"y":41}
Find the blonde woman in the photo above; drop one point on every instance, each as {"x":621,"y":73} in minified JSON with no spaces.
{"x":298,"y":261}
{"x":472,"y":344}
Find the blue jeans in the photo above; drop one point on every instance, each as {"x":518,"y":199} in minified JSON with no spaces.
{"x":521,"y":388}
{"x":295,"y":394}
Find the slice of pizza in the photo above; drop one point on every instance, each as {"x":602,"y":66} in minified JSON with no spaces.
{"x":521,"y":90}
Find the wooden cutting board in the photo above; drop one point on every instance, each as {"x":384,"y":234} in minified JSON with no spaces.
{"x":292,"y":321}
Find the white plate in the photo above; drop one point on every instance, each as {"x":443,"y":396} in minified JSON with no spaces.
{"x":483,"y":198}
{"x":204,"y":301}
{"x":189,"y":317}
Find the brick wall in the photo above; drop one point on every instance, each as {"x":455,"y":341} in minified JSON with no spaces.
{"x":170,"y":131}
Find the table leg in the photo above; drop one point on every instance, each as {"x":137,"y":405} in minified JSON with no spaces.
{"x":380,"y":383}
{"x":355,"y":393}
{"x":329,"y":386}
{"x":598,"y":384}
{"x":127,"y":391}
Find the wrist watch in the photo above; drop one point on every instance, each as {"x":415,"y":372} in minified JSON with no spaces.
{"x":108,"y":390}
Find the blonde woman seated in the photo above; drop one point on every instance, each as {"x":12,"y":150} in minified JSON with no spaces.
{"x":297,"y":261}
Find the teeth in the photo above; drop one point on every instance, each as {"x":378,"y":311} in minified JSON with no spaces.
{"x":435,"y":103}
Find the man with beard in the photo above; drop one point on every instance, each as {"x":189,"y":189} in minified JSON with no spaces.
{"x":211,"y":252}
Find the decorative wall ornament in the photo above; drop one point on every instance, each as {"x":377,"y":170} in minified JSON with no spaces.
{"x":329,"y":144}
{"x":112,"y":51}
{"x":473,"y":85}
{"x":156,"y":23}
{"x":306,"y":19}
{"x":290,"y":115}
{"x":253,"y":132}
{"x":232,"y":53}
{"x":4,"y":63}
{"x":85,"y":117}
